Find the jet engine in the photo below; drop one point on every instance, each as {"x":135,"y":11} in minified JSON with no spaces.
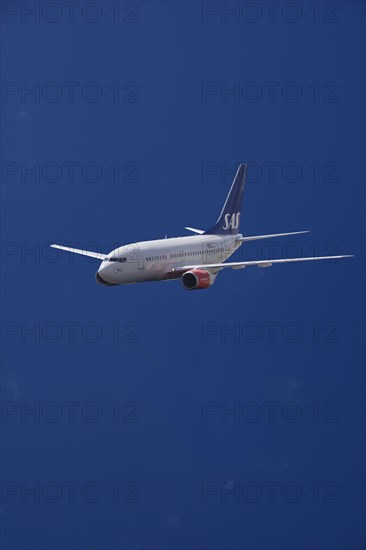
{"x":197,"y":279}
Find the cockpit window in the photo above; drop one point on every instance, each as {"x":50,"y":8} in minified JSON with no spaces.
{"x":121,"y":260}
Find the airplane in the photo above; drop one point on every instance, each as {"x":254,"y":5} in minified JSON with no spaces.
{"x":196,"y":259}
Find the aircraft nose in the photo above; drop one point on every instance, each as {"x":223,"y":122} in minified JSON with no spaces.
{"x":103,"y":275}
{"x":100,"y":279}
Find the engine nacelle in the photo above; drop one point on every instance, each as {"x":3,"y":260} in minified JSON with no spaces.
{"x":197,"y":279}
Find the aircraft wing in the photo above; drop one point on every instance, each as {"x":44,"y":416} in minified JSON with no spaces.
{"x":83,"y":252}
{"x":259,"y":263}
{"x":258,"y":237}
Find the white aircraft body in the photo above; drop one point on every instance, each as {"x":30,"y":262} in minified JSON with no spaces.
{"x":196,"y":260}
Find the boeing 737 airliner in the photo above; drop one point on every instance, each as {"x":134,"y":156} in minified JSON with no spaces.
{"x":196,"y":259}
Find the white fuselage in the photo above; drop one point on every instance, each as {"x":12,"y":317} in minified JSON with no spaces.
{"x":162,"y":259}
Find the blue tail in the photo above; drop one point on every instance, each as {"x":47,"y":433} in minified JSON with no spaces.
{"x":229,"y":219}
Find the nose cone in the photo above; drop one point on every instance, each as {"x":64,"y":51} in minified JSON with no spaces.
{"x":104,"y":275}
{"x":100,"y":280}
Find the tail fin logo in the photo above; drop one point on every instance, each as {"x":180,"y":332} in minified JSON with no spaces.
{"x":231,"y":221}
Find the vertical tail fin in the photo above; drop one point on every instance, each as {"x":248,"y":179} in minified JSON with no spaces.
{"x":229,"y":219}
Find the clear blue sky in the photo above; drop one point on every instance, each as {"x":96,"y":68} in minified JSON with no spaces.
{"x":149,"y":95}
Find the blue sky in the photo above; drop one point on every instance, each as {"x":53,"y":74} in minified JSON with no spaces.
{"x":135,"y":125}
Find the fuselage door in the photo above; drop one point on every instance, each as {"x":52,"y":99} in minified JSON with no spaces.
{"x":212,"y":253}
{"x":134,"y":256}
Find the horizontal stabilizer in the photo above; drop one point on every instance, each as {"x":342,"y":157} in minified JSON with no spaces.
{"x":83,"y":252}
{"x":198,"y":231}
{"x":258,"y":237}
